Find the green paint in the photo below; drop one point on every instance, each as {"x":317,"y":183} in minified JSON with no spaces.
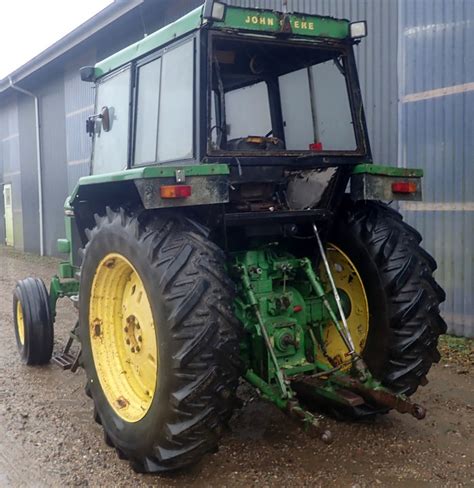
{"x":376,"y":169}
{"x":268,"y":21}
{"x":268,"y":392}
{"x":66,"y":270}
{"x":280,"y":304}
{"x":151,"y":172}
{"x":236,"y":19}
{"x":64,"y":246}
{"x":60,"y":289}
{"x":68,"y":206}
{"x":276,"y":284}
{"x":280,"y":297}
{"x":69,"y":223}
{"x":247,"y":19}
{"x":158,"y":39}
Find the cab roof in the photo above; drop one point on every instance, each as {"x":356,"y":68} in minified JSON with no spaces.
{"x":235,"y":19}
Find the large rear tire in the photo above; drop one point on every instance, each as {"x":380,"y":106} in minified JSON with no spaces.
{"x":403,"y":297}
{"x":163,"y":373}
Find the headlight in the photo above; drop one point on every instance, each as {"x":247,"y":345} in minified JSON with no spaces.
{"x":358,"y":29}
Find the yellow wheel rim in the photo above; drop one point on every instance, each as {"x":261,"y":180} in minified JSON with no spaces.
{"x":20,"y":323}
{"x":347,"y":280}
{"x":123,"y":338}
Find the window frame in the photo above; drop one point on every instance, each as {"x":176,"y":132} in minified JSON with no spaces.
{"x":159,"y":53}
{"x":362,"y":152}
{"x":104,"y":79}
{"x":133,"y":135}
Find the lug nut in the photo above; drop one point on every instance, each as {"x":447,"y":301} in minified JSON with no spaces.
{"x":126,"y":330}
{"x":140,"y":339}
{"x":128,"y":341}
{"x":133,"y":349}
{"x":138,"y":349}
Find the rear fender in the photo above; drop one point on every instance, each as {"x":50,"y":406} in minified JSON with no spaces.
{"x":387,"y":183}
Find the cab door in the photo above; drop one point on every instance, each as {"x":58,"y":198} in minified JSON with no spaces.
{"x":7,"y":199}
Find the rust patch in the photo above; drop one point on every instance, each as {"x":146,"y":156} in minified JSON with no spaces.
{"x":122,"y":403}
{"x":97,"y":327}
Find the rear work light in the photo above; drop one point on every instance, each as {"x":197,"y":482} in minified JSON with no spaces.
{"x":176,"y":191}
{"x":214,"y":10}
{"x":358,"y":29}
{"x":404,"y":187}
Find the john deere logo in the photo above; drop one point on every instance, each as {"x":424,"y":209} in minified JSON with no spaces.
{"x":257,"y":20}
{"x":296,"y":24}
{"x":302,"y":25}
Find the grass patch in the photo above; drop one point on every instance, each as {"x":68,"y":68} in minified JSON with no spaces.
{"x":457,"y":350}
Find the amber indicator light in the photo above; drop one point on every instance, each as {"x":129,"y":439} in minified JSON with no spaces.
{"x":176,"y":191}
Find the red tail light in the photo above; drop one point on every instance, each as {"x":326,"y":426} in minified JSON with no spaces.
{"x":176,"y":191}
{"x":404,"y":187}
{"x":316,"y":147}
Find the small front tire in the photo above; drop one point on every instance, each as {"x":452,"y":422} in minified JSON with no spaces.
{"x":33,"y":324}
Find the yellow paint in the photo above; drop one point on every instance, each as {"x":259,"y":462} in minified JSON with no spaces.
{"x":123,"y":338}
{"x":256,"y":20}
{"x":20,"y":323}
{"x":302,"y":25}
{"x":347,"y":279}
{"x":297,"y":24}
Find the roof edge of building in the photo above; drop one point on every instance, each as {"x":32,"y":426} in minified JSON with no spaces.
{"x":96,"y":23}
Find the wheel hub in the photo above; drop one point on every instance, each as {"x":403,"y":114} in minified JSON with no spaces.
{"x":355,"y":305}
{"x":133,"y":335}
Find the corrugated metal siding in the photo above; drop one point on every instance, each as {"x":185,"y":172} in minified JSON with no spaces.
{"x":29,"y":172}
{"x":79,"y":104}
{"x":437,"y":134}
{"x":376,"y":58}
{"x":54,"y":170}
{"x":10,"y":156}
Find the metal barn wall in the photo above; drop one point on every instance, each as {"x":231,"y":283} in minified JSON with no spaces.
{"x":417,"y":51}
{"x":376,"y":58}
{"x":54,"y":156}
{"x":11,"y":170}
{"x":437,"y":134}
{"x":2,"y":210}
{"x":29,"y":173}
{"x":79,"y":104}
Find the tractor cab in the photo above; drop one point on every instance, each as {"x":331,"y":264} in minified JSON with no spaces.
{"x":265,"y":87}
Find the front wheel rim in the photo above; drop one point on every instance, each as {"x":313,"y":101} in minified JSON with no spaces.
{"x":20,"y":323}
{"x":123,"y":338}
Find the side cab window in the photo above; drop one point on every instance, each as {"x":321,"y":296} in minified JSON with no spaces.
{"x":110,"y":153}
{"x":164,"y":112}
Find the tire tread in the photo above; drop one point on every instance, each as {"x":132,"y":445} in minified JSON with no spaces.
{"x":204,"y":348}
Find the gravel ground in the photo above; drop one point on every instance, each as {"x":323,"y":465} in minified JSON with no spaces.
{"x":48,"y":437}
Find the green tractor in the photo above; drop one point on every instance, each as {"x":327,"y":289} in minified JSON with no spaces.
{"x":232,"y":227}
